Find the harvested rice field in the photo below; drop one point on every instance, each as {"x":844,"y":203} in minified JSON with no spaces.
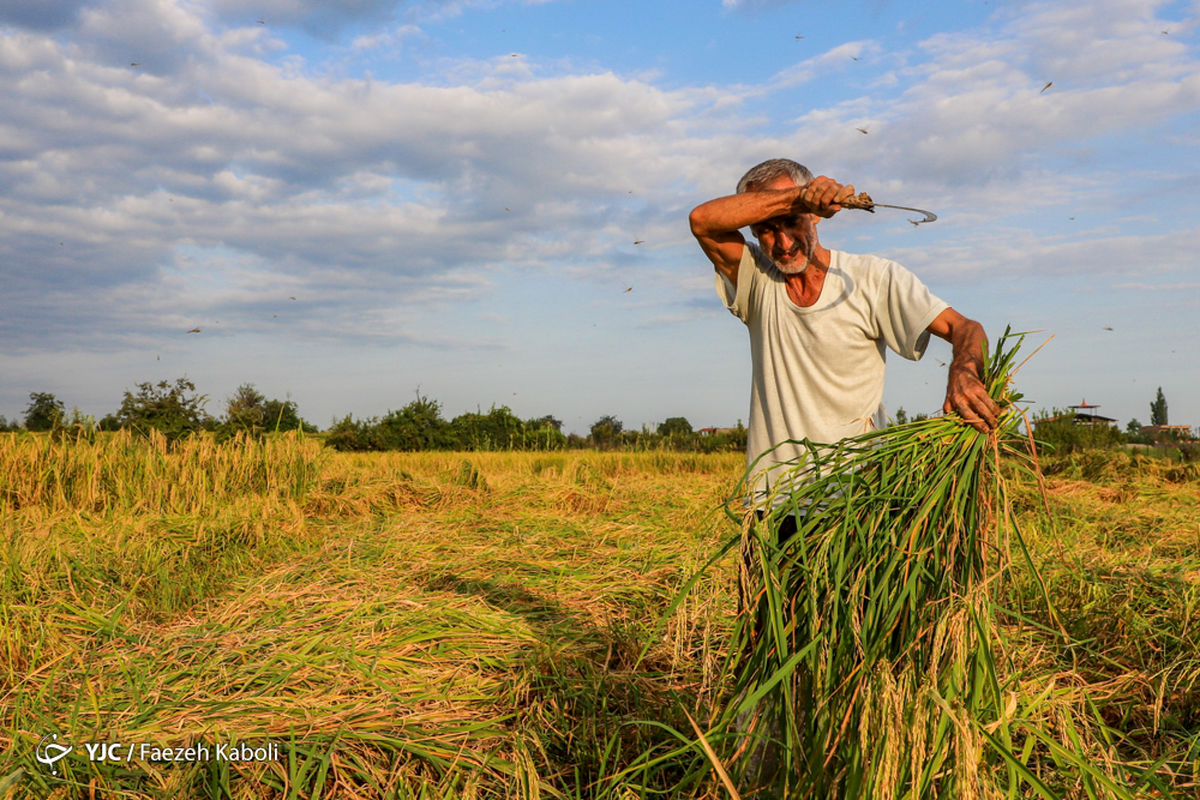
{"x":275,"y":620}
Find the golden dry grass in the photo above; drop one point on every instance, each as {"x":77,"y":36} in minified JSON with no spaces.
{"x":468,"y":625}
{"x":400,"y":622}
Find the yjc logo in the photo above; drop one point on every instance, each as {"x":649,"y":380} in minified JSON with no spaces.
{"x":50,"y":752}
{"x":101,"y":751}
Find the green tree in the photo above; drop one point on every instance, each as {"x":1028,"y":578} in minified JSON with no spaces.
{"x":1060,"y":433}
{"x":417,"y":426}
{"x":734,"y":440}
{"x":675,"y":426}
{"x":246,"y":410}
{"x":499,"y":429}
{"x":740,"y":436}
{"x":901,"y":416}
{"x":284,"y":415}
{"x":1134,"y":435}
{"x":545,"y":433}
{"x":250,"y":411}
{"x":74,"y":427}
{"x":606,"y":431}
{"x":44,"y":412}
{"x":351,"y":434}
{"x":1158,"y":409}
{"x":544,"y":436}
{"x":548,"y":420}
{"x":175,"y":410}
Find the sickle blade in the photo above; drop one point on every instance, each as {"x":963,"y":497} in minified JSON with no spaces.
{"x":929,"y":215}
{"x":863,"y":200}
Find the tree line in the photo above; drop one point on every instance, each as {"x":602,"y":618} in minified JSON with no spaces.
{"x":176,"y":409}
{"x":173,"y":409}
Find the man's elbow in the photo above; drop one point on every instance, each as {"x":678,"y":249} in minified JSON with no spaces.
{"x":954,"y":327}
{"x":973,"y":331}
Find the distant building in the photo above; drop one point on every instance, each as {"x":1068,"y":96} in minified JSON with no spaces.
{"x":1166,"y":431}
{"x":715,"y":431}
{"x":1082,"y":414}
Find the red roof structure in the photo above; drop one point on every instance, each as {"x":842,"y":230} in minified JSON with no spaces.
{"x":1081,"y":415}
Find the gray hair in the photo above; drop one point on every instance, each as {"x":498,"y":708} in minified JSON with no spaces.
{"x":771,"y":169}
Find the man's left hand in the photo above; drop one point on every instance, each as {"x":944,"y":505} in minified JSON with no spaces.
{"x":966,"y":395}
{"x":965,"y":392}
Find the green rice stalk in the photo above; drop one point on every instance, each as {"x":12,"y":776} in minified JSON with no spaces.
{"x":867,"y":662}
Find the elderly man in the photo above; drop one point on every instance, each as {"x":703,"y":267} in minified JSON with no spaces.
{"x":820,"y":319}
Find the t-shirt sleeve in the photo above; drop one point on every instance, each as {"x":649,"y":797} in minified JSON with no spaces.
{"x":737,"y":299}
{"x":907,"y":308}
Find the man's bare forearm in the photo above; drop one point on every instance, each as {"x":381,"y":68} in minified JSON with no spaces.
{"x":726,"y":215}
{"x":968,"y":343}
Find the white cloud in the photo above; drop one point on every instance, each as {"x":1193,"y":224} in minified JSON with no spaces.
{"x":390,"y":38}
{"x":158,"y":36}
{"x":819,"y":66}
{"x":324,"y":19}
{"x":42,"y":14}
{"x":1182,"y":286}
{"x":271,"y":175}
{"x":302,"y":179}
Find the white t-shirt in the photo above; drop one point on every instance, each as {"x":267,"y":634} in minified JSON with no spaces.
{"x":818,"y":371}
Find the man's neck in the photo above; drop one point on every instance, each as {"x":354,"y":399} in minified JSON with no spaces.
{"x":804,"y":288}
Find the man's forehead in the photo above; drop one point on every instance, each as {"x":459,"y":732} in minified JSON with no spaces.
{"x":780,"y":182}
{"x":790,"y":217}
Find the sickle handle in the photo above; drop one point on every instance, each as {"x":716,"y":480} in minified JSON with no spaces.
{"x":861,"y":200}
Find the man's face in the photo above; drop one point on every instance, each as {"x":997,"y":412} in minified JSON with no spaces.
{"x":789,"y":241}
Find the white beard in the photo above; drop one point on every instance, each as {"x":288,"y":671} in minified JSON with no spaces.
{"x":794,"y":268}
{"x":797,"y":267}
{"x":809,"y":251}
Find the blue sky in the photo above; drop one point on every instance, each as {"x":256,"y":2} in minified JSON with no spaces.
{"x":485,"y":201}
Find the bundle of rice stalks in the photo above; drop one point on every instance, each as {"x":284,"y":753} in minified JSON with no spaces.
{"x":868,"y":660}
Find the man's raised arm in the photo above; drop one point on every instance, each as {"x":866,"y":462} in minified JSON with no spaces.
{"x":717,"y":224}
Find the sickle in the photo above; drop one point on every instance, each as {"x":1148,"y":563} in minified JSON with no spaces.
{"x":863,"y":200}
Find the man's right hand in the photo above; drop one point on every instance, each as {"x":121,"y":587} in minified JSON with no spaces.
{"x":823,"y":195}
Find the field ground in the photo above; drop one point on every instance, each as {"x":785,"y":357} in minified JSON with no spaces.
{"x":487,"y":625}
